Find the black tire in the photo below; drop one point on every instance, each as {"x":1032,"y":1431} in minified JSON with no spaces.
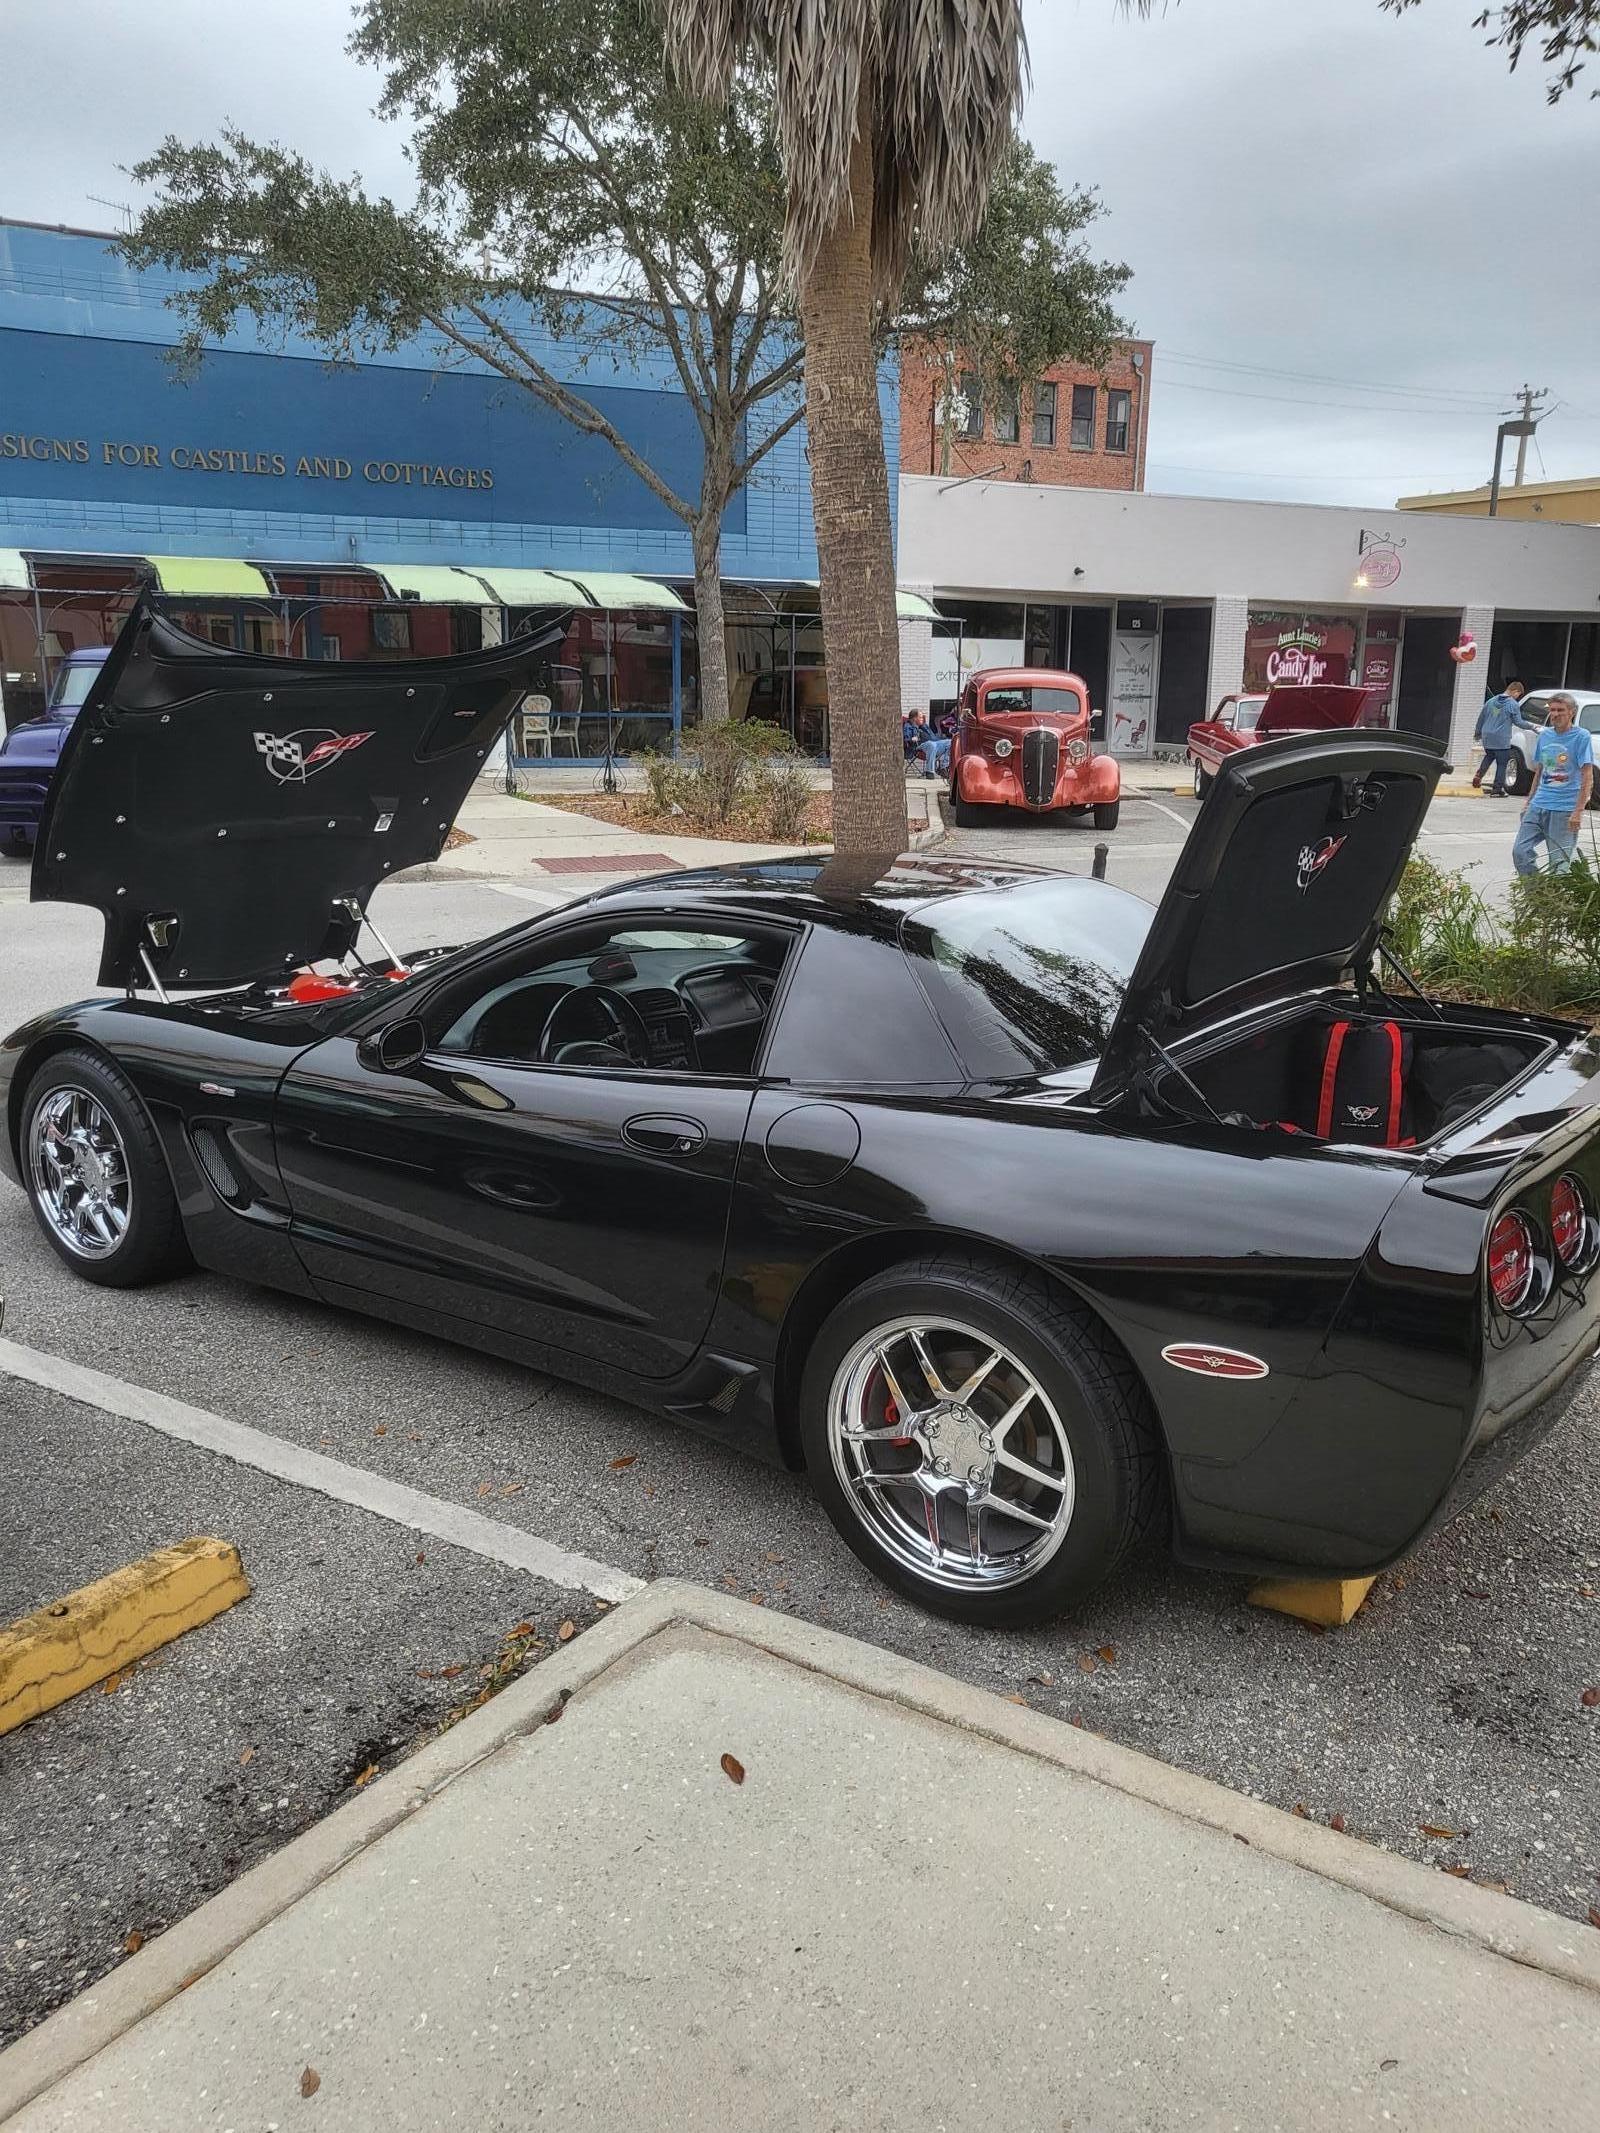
{"x":1519,"y":776}
{"x":17,"y":847}
{"x":1202,"y":781}
{"x":968,"y":815}
{"x":153,"y":1246}
{"x":1107,"y":817}
{"x":1117,"y":1461}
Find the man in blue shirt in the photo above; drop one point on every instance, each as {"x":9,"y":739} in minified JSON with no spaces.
{"x":1563,"y":778}
{"x":1495,"y":721}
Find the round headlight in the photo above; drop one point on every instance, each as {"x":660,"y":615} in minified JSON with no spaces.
{"x":1511,"y":1262}
{"x":1003,"y":747}
{"x":1569,"y":1221}
{"x":1077,"y":750}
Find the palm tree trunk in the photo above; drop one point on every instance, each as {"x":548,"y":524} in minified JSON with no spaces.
{"x":711,"y":631}
{"x":855,"y":541}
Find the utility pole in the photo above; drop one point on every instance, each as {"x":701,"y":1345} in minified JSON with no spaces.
{"x":1529,"y":398}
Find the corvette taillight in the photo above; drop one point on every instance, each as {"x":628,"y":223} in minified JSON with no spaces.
{"x":1569,"y":1221}
{"x":1511,"y":1262}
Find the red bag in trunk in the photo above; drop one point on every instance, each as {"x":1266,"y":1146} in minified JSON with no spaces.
{"x":1360,"y":1084}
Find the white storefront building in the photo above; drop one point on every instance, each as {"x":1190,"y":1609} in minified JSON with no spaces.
{"x":1164,"y":604}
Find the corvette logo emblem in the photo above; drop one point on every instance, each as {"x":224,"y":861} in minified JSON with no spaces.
{"x":1363,"y":1114}
{"x":1206,"y":1362}
{"x":291,"y":758}
{"x":1315,"y":859}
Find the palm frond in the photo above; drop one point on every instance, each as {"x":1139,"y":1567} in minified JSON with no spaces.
{"x":935,"y":85}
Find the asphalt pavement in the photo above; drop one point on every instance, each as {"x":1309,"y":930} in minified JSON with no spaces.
{"x":1445,"y":1723}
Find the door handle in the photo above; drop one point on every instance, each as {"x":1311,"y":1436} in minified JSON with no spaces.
{"x":660,"y":1133}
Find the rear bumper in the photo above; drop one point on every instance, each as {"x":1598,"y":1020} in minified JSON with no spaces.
{"x":22,"y":798}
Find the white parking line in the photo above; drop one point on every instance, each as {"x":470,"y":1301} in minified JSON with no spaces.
{"x":550,"y":898}
{"x":1171,"y":813}
{"x":353,"y":1485}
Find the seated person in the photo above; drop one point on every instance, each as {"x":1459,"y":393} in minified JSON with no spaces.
{"x":920,"y":740}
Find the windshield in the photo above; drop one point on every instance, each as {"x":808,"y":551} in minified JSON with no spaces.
{"x":1056,"y":703}
{"x":1028,"y":980}
{"x":73,"y":685}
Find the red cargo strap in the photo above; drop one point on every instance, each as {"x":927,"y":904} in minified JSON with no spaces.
{"x":1396,"y":1086}
{"x":1330,"y":1073}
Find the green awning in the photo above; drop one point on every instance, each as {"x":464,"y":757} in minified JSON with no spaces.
{"x":529,"y":588}
{"x":912,"y":607}
{"x":619,"y":588}
{"x":441,"y":582}
{"x":13,"y":571}
{"x":204,"y":577}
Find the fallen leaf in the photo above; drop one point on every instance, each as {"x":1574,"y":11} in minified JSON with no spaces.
{"x":1106,"y":1654}
{"x":421,"y":1558}
{"x":1042,"y":1681}
{"x":1590,"y":1698}
{"x":648,"y":1490}
{"x":1594,"y":1915}
{"x":523,"y":1629}
{"x":441,"y":1673}
{"x":413,"y":1436}
{"x":133,"y":1942}
{"x":512,"y":1488}
{"x":626,"y":1459}
{"x":1086,"y":1662}
{"x":111,"y":1684}
{"x":1336,"y":1822}
{"x":382,"y":1430}
{"x":1239,"y":1839}
{"x":702,"y":1540}
{"x":247,"y":1756}
{"x":485,"y":1488}
{"x":310,"y":2082}
{"x":1022,"y":1700}
{"x":367,"y":1775}
{"x":1501,"y":1888}
{"x":1460,"y":1872}
{"x":1437,"y":1829}
{"x":733,"y":1768}
{"x":1387,"y":2066}
{"x":566,"y":1632}
{"x":1497,"y":1516}
{"x":1300,"y":1808}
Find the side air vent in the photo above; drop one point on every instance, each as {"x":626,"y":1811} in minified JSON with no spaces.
{"x":211,"y":1150}
{"x":727,"y":1399}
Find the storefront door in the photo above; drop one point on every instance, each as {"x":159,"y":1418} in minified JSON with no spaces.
{"x":1133,"y":692}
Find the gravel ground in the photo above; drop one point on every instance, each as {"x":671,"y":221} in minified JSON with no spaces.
{"x":121,"y":1811}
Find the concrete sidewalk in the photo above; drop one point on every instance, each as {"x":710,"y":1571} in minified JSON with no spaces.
{"x":762,"y":1876}
{"x":524,"y":840}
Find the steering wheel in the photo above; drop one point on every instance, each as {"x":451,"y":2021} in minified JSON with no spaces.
{"x":626,"y":1023}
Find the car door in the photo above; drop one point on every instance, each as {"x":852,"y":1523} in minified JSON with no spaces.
{"x":581,"y":1207}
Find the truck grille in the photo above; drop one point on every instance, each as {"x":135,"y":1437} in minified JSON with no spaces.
{"x":1041,"y":758}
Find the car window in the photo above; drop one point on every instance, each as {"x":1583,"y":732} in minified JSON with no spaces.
{"x":1028,"y":980}
{"x":623,"y":997}
{"x":73,"y":685}
{"x":1057,"y":703}
{"x":1534,"y":708}
{"x":1589,"y":718}
{"x":854,"y":1016}
{"x":1250,"y":709}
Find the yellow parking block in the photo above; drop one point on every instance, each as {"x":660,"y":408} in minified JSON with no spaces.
{"x":1329,"y":1602}
{"x":91,"y":1634}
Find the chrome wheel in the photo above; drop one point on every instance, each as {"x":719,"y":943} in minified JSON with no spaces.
{"x":951,"y":1454}
{"x":79,"y":1170}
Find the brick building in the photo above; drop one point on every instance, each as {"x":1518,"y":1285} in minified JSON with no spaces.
{"x":1079,"y":428}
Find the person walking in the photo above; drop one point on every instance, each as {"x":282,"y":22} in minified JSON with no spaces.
{"x":1563,"y":779}
{"x":1495,"y":721}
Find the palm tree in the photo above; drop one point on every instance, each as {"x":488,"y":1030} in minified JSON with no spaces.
{"x":892,"y":115}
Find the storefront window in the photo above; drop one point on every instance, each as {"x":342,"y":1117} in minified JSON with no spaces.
{"x":1287,"y":645}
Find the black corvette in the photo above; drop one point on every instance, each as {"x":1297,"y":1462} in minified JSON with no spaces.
{"x":1011,"y":1208}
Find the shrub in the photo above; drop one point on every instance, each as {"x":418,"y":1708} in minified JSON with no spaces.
{"x":783,"y":794}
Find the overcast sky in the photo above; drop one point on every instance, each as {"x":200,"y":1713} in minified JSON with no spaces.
{"x":1352,"y":236}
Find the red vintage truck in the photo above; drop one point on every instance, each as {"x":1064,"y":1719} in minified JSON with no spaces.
{"x":1253,"y":715}
{"x":1022,"y":740}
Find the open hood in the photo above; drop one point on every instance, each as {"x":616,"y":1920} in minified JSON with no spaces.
{"x":1290,"y":865}
{"x":229,"y":814}
{"x":1312,"y":707}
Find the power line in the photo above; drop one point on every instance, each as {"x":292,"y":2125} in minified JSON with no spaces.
{"x":1306,"y":377}
{"x":1352,"y":407}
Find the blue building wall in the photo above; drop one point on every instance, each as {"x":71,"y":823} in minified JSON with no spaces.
{"x":413,"y":455}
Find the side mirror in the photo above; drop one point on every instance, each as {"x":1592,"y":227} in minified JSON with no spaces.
{"x":395,"y":1048}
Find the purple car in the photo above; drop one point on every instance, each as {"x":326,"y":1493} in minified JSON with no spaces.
{"x":28,"y":752}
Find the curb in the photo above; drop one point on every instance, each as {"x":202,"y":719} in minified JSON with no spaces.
{"x":94,"y":1632}
{"x":1500,"y":1925}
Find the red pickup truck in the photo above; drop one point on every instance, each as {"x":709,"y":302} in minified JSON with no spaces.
{"x":1253,"y":715}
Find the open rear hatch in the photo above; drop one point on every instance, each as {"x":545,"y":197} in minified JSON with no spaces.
{"x":230,"y":814}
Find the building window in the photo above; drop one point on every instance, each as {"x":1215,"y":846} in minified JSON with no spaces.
{"x":1044,"y":414}
{"x":1117,"y":406}
{"x":972,"y":393}
{"x":1083,"y":418}
{"x":391,"y":629}
{"x":1007,"y":415}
